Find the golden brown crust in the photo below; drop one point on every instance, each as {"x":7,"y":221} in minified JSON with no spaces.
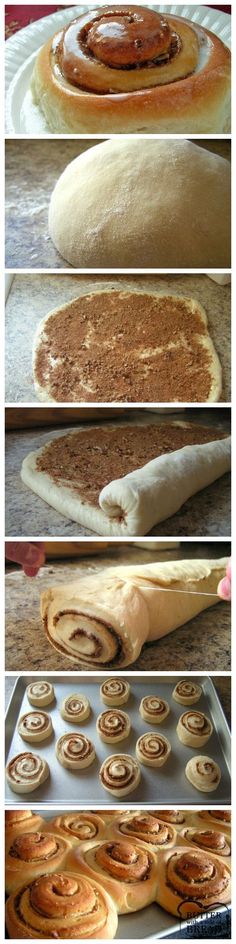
{"x":210,"y":840}
{"x":125,"y":868}
{"x":79,"y":827}
{"x":63,"y":905}
{"x":147,"y":828}
{"x":31,"y":854}
{"x":191,"y":881}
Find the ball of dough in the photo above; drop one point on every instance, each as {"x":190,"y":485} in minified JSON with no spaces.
{"x":143,"y":203}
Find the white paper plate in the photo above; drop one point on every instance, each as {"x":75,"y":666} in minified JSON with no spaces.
{"x":22,"y":116}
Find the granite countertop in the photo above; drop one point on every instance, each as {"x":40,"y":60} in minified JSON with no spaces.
{"x":32,"y":170}
{"x":199,"y":646}
{"x":207,"y":513}
{"x":32,"y":297}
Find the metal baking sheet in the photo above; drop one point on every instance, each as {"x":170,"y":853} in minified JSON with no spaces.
{"x":164,"y":785}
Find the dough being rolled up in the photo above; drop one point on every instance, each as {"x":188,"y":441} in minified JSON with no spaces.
{"x":102,"y":621}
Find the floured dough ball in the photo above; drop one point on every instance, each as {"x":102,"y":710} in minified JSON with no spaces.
{"x":143,"y":203}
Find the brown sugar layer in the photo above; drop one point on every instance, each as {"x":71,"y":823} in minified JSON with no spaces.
{"x":88,"y":459}
{"x":125,"y":346}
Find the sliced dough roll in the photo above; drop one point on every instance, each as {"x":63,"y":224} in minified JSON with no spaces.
{"x":103,"y":620}
{"x":126,"y":346}
{"x":124,"y":479}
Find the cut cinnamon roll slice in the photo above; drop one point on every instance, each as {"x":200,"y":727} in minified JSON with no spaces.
{"x":125,"y":869}
{"x":75,"y":708}
{"x":153,"y":749}
{"x":113,"y":725}
{"x":154,"y":709}
{"x":126,"y":68}
{"x":147,"y":828}
{"x":204,"y":773}
{"x":79,"y":827}
{"x":212,"y":840}
{"x":115,"y":692}
{"x":187,"y":693}
{"x":191,"y":881}
{"x":31,"y":853}
{"x":194,"y":729}
{"x":62,"y":905}
{"x":35,"y":726}
{"x":75,"y":751}
{"x":120,"y":774}
{"x":40,"y":694}
{"x":26,"y":772}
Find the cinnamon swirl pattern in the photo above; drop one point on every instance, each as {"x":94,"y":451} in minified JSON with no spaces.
{"x":79,"y":827}
{"x":115,"y":692}
{"x":147,"y":828}
{"x":26,"y":772}
{"x":75,"y":708}
{"x":21,"y":821}
{"x":63,"y":905}
{"x":153,"y":709}
{"x":153,"y":749}
{"x":211,"y":840}
{"x":171,"y":816}
{"x":113,"y":725}
{"x":204,"y":773}
{"x":75,"y":751}
{"x":134,"y":68}
{"x":194,"y":728}
{"x":187,"y":693}
{"x":218,"y":816}
{"x":191,"y":881}
{"x":40,"y":694}
{"x":89,"y":641}
{"x":31,"y":854}
{"x":35,"y":726}
{"x":125,"y":869}
{"x":120,"y":774}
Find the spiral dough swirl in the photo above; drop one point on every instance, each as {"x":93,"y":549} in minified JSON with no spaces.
{"x":204,"y":773}
{"x":153,"y":749}
{"x":194,"y":728}
{"x":40,"y":693}
{"x":119,"y":774}
{"x":208,"y":839}
{"x":187,"y":693}
{"x":115,"y":692}
{"x":75,"y":750}
{"x":192,"y":880}
{"x":154,"y":709}
{"x":80,"y":826}
{"x":61,"y":905}
{"x":75,"y":708}
{"x":113,"y":725}
{"x":35,"y":726}
{"x":26,"y":772}
{"x":148,"y":828}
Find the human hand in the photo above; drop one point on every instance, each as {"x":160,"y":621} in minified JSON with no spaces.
{"x":224,"y":586}
{"x":31,"y":556}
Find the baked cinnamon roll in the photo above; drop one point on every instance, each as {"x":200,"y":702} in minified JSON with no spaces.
{"x":79,"y":827}
{"x":212,"y":840}
{"x":62,"y":905}
{"x":216,"y":816}
{"x":113,"y":725}
{"x":177,"y":817}
{"x":120,"y":774}
{"x":194,"y":728}
{"x":40,"y":693}
{"x":153,"y":749}
{"x":26,"y":772}
{"x":115,"y":692}
{"x":154,"y":709}
{"x":147,"y":828}
{"x":125,"y":869}
{"x":21,"y":821}
{"x":75,"y":751}
{"x":126,"y":68}
{"x":187,"y":693}
{"x":35,"y":726}
{"x":75,"y":708}
{"x":191,"y":881}
{"x":30,"y":854}
{"x":204,"y":773}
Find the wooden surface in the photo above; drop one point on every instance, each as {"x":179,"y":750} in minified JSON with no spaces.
{"x":30,"y":417}
{"x":31,"y":298}
{"x":202,"y":645}
{"x":207,"y":513}
{"x":32,"y":170}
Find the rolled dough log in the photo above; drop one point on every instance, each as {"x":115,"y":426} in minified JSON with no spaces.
{"x":102,"y":621}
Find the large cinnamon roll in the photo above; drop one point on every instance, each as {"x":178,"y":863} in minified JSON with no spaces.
{"x":187,"y":693}
{"x":63,"y":905}
{"x":40,"y":693}
{"x":75,"y":708}
{"x":35,"y":726}
{"x":113,"y":725}
{"x":194,"y":728}
{"x":120,"y":774}
{"x":125,"y":869}
{"x":115,"y":692}
{"x":79,"y":827}
{"x":191,"y":881}
{"x":31,"y":853}
{"x":153,"y":749}
{"x":75,"y":751}
{"x":212,"y":840}
{"x":204,"y":773}
{"x":125,"y":68}
{"x":26,"y":772}
{"x":147,"y":828}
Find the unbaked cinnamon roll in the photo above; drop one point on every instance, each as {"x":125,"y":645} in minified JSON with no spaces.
{"x":40,"y":693}
{"x":75,"y":751}
{"x":204,"y":773}
{"x":113,"y":725}
{"x":26,"y":772}
{"x":75,"y":708}
{"x":191,"y":881}
{"x":79,"y":827}
{"x":125,"y":869}
{"x":35,"y":726}
{"x":211,"y":840}
{"x":31,"y":854}
{"x":115,"y":692}
{"x":194,"y":728}
{"x":120,"y":774}
{"x":154,"y":709}
{"x":187,"y":693}
{"x":131,"y":69}
{"x":153,"y":749}
{"x":147,"y":828}
{"x":62,"y":905}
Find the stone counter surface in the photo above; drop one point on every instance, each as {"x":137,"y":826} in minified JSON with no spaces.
{"x":32,"y":170}
{"x":31,"y":297}
{"x":207,"y":513}
{"x":202,"y":645}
